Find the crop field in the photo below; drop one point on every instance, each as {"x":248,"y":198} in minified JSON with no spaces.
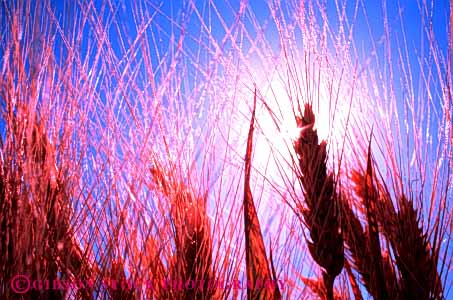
{"x":229,"y":149}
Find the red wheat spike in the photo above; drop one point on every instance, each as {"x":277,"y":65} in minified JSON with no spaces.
{"x":322,"y":213}
{"x":415,"y":259}
{"x":370,"y":199}
{"x":193,"y":255}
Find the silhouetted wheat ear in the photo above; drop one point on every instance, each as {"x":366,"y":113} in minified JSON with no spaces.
{"x":415,"y":258}
{"x":321,"y":214}
{"x":359,"y":244}
{"x":257,"y":265}
{"x":193,"y":256}
{"x":195,"y":246}
{"x":415,"y":261}
{"x":371,"y":266}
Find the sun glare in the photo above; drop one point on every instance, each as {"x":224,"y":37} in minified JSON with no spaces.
{"x":278,"y":105}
